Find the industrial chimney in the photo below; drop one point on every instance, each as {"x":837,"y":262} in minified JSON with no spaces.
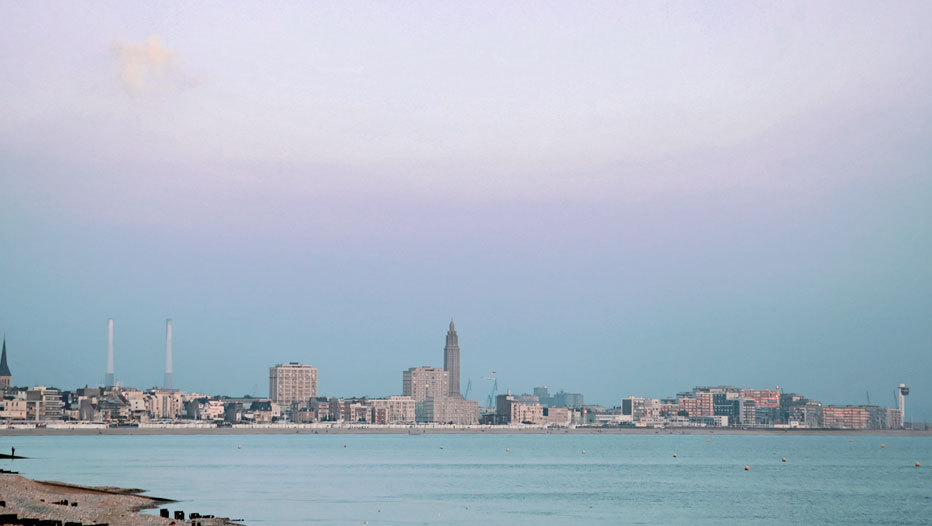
{"x":108,"y":380}
{"x":168,"y":353}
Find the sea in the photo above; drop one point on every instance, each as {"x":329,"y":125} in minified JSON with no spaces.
{"x":506,"y":479}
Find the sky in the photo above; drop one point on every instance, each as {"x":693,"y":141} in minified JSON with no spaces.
{"x":610,"y":198}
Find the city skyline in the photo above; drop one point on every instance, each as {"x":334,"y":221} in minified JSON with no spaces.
{"x":627,"y":197}
{"x":294,"y":382}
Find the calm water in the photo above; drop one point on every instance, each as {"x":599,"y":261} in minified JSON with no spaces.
{"x":401,"y":479}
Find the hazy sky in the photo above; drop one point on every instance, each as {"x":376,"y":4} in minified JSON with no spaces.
{"x":616,"y":199}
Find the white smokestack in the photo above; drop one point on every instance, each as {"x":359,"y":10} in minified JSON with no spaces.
{"x":109,"y":378}
{"x":168,"y":353}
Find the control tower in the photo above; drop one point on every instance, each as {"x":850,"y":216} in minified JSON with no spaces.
{"x":902,"y":390}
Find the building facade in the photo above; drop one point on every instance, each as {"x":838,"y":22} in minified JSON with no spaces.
{"x":448,"y":410}
{"x":763,"y":397}
{"x":847,"y":417}
{"x":392,"y":410}
{"x":43,"y":403}
{"x":292,"y":382}
{"x":421,"y":383}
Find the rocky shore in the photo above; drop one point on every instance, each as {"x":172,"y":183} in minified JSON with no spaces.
{"x":26,"y":501}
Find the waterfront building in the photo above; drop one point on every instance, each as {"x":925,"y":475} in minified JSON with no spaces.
{"x":894,"y":418}
{"x":448,"y":410}
{"x":558,"y":416}
{"x":43,"y":403}
{"x":766,"y":416}
{"x":512,"y":411}
{"x":135,"y":401}
{"x":206,"y":409}
{"x":727,"y":405}
{"x":292,"y":382}
{"x":394,"y":409}
{"x":564,"y":399}
{"x":559,"y":399}
{"x":709,"y":421}
{"x":763,"y":397}
{"x":669,"y":407}
{"x":165,"y":404}
{"x":808,"y":414}
{"x":640,"y":408}
{"x":706,"y":403}
{"x":847,"y":417}
{"x":691,"y":406}
{"x":247,"y":409}
{"x":611,"y":419}
{"x":13,"y":409}
{"x":451,"y":360}
{"x":321,"y":408}
{"x":422,"y":383}
{"x":356,"y":410}
{"x":336,"y":409}
{"x":747,"y":412}
{"x":883,"y":417}
{"x":261,"y":411}
{"x":6,"y":377}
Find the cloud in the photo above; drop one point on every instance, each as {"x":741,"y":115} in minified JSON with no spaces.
{"x":148,"y":67}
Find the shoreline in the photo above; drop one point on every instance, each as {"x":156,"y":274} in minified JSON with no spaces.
{"x":61,"y":501}
{"x":438,"y":430}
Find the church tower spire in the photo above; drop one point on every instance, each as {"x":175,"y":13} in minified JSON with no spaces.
{"x":451,"y":359}
{"x":6,"y":377}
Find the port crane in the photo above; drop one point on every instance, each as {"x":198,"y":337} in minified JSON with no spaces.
{"x":494,"y":392}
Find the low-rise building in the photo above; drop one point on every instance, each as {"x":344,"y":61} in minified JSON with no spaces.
{"x":13,"y":409}
{"x":206,"y":409}
{"x":392,"y":410}
{"x":641,"y":408}
{"x":448,"y":410}
{"x":558,"y":416}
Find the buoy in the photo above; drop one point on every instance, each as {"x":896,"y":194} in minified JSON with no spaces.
{"x":917,"y":464}
{"x":784,"y":459}
{"x":344,"y":445}
{"x":747,"y":468}
{"x":239,"y":447}
{"x":441,"y":447}
{"x":584,"y":452}
{"x":507,"y":449}
{"x":674,"y":455}
{"x":852,"y":440}
{"x":709,"y":440}
{"x":882,"y":446}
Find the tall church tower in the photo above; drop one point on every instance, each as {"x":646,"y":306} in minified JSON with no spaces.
{"x":6,"y":377}
{"x":451,"y":359}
